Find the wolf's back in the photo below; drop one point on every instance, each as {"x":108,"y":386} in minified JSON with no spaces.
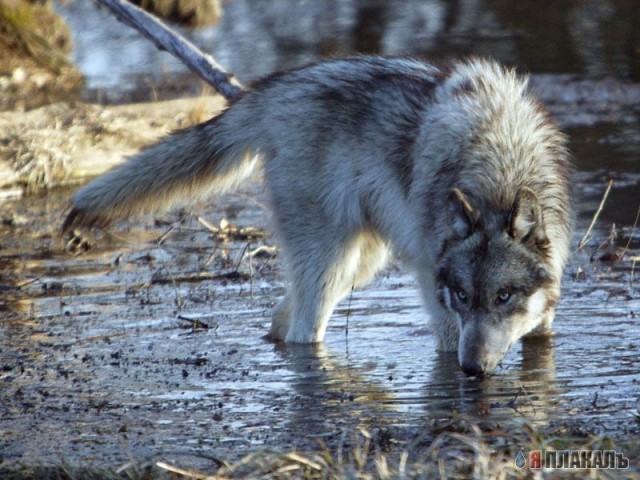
{"x":287,"y":111}
{"x":190,"y":163}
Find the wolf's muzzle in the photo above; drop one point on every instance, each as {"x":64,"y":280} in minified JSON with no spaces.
{"x":473,"y":368}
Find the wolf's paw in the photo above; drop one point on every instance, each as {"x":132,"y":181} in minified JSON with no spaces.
{"x":541,"y":330}
{"x":77,"y":243}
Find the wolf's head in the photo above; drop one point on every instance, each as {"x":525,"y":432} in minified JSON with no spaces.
{"x":493,"y":277}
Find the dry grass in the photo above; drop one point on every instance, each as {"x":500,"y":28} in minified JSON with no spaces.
{"x":64,"y":143}
{"x":461,"y":449}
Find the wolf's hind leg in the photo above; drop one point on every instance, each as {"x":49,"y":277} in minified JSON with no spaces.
{"x":324,"y":274}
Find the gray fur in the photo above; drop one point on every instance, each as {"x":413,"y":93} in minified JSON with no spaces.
{"x":457,"y":169}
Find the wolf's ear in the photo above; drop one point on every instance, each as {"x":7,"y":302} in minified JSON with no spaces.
{"x":526,"y":223}
{"x":462,"y":216}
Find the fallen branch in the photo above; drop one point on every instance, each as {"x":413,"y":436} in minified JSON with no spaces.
{"x":165,"y":39}
{"x":199,"y":277}
{"x":195,"y":322}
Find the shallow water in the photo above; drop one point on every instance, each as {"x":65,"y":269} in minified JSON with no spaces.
{"x":104,"y":357}
{"x":593,"y":38}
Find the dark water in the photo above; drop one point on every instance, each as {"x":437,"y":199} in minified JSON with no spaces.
{"x":253,"y":38}
{"x":100,"y":359}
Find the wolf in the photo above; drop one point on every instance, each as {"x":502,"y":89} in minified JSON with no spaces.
{"x":456,"y":169}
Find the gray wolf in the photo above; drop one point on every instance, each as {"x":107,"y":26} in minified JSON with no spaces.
{"x":457,"y":170}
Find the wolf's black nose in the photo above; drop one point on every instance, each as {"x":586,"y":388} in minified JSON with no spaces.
{"x":473,"y":368}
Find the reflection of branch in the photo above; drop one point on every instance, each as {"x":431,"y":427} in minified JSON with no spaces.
{"x":166,"y":39}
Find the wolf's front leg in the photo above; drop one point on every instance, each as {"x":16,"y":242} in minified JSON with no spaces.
{"x":332,"y":264}
{"x":281,"y":319}
{"x":310,"y":314}
{"x":545,"y":301}
{"x":544,"y":328}
{"x":443,"y":322}
{"x":322,"y":271}
{"x":316,"y":274}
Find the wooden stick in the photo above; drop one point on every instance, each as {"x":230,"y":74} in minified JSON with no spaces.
{"x":633,"y":229}
{"x":197,"y":277}
{"x":165,"y":39}
{"x":585,"y":239}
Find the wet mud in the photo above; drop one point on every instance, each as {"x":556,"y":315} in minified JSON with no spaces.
{"x":150,"y":345}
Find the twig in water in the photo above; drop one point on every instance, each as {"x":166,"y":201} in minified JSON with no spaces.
{"x":610,"y":243}
{"x":253,"y":200}
{"x":522,"y":390}
{"x":27,"y":282}
{"x":195,"y":323}
{"x":272,"y":251}
{"x":633,"y":230}
{"x":244,"y":251}
{"x":179,"y":300}
{"x":250,"y":271}
{"x":196,"y":277}
{"x":164,"y":236}
{"x":207,"y":225}
{"x":586,"y":238}
{"x":633,"y":267}
{"x":262,"y":250}
{"x":212,"y":257}
{"x":353,"y":286}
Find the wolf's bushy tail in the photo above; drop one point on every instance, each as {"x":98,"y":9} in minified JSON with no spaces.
{"x":188,"y":164}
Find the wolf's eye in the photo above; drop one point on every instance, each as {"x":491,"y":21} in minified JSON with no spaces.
{"x":503,"y":297}
{"x":462,"y":295}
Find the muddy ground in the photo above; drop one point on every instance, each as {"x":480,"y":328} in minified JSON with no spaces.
{"x":149,"y":346}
